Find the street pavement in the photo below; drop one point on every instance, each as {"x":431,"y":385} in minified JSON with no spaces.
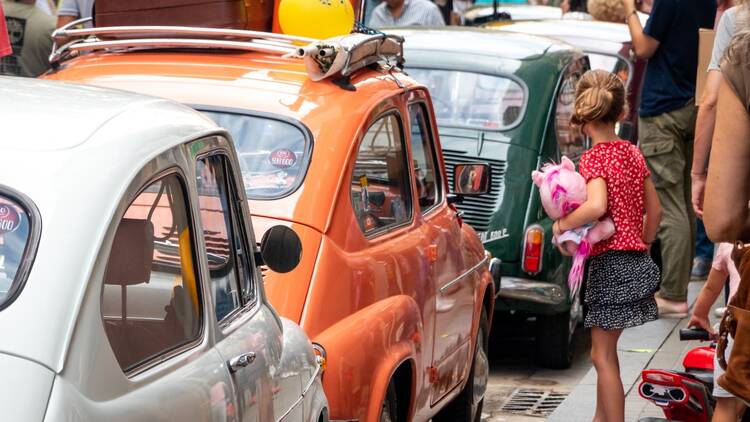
{"x":519,"y":391}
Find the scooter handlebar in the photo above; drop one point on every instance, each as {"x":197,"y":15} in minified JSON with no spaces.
{"x":694,"y":334}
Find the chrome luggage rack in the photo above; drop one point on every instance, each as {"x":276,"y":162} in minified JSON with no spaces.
{"x":138,"y":38}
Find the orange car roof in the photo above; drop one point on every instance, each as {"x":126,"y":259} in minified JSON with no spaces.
{"x":255,"y":82}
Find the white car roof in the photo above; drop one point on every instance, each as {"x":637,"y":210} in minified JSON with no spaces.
{"x":73,"y":151}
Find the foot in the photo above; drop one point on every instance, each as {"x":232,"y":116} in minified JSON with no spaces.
{"x":671,"y":309}
{"x":700,"y":269}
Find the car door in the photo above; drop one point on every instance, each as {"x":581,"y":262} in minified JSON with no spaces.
{"x":454,"y":295}
{"x":249,"y":335}
{"x":156,"y":361}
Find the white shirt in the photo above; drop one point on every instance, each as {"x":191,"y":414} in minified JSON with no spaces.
{"x":415,"y":12}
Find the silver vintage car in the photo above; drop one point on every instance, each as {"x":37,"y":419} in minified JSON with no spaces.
{"x":129,"y":279}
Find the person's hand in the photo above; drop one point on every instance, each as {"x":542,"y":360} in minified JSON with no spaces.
{"x":697,"y":321}
{"x":556,"y":229}
{"x":563,"y":250}
{"x":698,"y":189}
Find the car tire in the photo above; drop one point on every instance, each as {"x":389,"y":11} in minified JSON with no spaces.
{"x":389,"y":410}
{"x":467,"y":407}
{"x":554,"y":340}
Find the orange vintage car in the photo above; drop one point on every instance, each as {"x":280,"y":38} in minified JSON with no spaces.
{"x":393,"y":289}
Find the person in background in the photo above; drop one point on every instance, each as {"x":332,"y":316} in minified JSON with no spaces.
{"x":725,"y":209}
{"x":47,"y":6}
{"x":704,"y":129}
{"x":728,"y":408}
{"x":5,"y":49}
{"x":71,"y":10}
{"x":30,"y":32}
{"x":574,"y":9}
{"x":666,"y":129}
{"x":607,"y":10}
{"x":406,"y":13}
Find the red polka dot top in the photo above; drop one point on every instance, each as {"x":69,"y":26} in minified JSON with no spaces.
{"x":623,"y":168}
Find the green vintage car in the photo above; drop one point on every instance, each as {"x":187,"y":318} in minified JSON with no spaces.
{"x":507,"y":99}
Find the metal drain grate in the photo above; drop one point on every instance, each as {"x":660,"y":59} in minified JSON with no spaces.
{"x":533,"y":402}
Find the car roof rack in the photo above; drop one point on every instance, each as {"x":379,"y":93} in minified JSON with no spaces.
{"x":360,"y":50}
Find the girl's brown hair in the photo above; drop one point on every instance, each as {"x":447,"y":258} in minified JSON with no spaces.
{"x":600,"y":95}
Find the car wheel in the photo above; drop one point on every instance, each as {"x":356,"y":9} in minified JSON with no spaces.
{"x":467,"y":407}
{"x":389,"y":411}
{"x":554,"y":339}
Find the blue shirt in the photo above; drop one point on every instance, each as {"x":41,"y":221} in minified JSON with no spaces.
{"x":670,"y":75}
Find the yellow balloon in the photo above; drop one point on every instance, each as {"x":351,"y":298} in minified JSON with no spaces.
{"x":316,"y":18}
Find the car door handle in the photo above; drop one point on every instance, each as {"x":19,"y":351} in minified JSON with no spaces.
{"x":241,"y":361}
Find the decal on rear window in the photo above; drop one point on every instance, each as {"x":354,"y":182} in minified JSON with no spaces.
{"x":273,"y":153}
{"x":15,"y":250}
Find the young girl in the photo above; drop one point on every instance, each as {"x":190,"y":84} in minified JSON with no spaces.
{"x":622,"y":278}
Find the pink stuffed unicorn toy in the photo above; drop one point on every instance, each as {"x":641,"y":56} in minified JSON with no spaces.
{"x":562,"y":190}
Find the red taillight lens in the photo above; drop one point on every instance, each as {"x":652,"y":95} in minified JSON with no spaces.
{"x":533,"y":246}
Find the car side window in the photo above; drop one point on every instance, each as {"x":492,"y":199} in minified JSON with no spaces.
{"x":571,"y":142}
{"x":229,"y":269}
{"x":380,"y":185}
{"x":151,"y":303}
{"x":424,"y":157}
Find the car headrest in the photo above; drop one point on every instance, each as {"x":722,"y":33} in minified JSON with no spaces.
{"x":132,"y":253}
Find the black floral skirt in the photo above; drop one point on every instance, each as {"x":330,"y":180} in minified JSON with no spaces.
{"x":619,"y":290}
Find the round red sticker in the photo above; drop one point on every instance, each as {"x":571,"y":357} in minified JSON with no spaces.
{"x":282,"y":158}
{"x":9,"y":219}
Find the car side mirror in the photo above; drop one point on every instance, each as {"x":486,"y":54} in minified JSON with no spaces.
{"x":472,"y":179}
{"x":281,"y":249}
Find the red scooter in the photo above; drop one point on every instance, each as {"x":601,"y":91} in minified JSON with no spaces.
{"x":684,"y":395}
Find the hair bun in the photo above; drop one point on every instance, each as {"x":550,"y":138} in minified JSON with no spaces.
{"x":600,"y":95}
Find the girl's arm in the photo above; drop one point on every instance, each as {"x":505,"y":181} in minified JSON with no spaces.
{"x":707,"y":296}
{"x":653,"y":212}
{"x":725,"y":211}
{"x":591,"y":210}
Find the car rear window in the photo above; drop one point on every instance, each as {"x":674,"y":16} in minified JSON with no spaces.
{"x":473,"y":100}
{"x":15,"y":240}
{"x":614,"y":64}
{"x":273,"y":153}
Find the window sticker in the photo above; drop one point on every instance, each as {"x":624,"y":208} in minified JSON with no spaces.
{"x":282,"y":158}
{"x":9,"y":219}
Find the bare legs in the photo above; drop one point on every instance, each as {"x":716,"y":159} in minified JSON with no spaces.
{"x":728,"y":409}
{"x":610,"y":397}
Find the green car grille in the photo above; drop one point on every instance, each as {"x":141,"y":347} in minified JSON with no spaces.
{"x":478,"y":210}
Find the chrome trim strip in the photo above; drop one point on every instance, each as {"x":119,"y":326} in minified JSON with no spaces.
{"x":305,"y":390}
{"x":531,"y":291}
{"x":180,"y":42}
{"x":462,"y":276}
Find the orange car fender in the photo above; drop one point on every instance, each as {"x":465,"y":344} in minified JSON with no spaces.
{"x":363,"y":351}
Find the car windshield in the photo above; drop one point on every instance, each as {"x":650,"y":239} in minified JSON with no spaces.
{"x":15,"y":230}
{"x":475,"y":100}
{"x":273,"y":154}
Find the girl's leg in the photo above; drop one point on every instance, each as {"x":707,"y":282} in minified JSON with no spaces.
{"x":725,"y":410}
{"x":610,"y":394}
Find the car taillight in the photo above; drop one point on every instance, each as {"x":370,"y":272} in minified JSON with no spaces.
{"x":533,"y":247}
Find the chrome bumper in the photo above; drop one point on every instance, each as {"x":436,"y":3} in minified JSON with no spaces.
{"x":531,"y":291}
{"x":496,"y":272}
